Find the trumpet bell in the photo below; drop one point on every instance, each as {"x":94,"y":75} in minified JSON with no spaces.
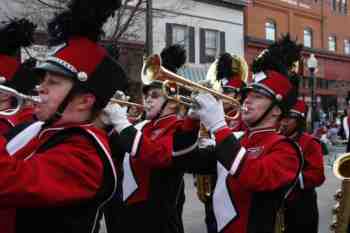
{"x":341,"y":167}
{"x":150,"y":69}
{"x":153,"y":71}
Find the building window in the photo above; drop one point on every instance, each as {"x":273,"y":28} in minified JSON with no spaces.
{"x":332,"y":43}
{"x":183,"y":35}
{"x":180,"y":36}
{"x":308,"y":37}
{"x":334,"y":5}
{"x":343,"y":6}
{"x":212,"y":44}
{"x":270,"y":30}
{"x":347,"y":46}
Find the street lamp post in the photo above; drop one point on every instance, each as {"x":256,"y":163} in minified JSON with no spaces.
{"x":312,"y":66}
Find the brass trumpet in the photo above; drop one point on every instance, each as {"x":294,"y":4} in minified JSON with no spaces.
{"x":20,"y":100}
{"x":120,"y":98}
{"x":127,"y":103}
{"x":153,"y":71}
{"x":134,"y":115}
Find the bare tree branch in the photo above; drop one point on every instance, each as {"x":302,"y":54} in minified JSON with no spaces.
{"x":50,"y":5}
{"x":127,"y":23}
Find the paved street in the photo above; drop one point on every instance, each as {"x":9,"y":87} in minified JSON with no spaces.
{"x":194,"y":211}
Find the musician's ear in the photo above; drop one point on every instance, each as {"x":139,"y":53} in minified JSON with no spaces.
{"x":276,"y":112}
{"x":85,"y":101}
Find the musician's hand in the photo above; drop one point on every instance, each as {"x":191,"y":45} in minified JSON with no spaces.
{"x":117,"y":116}
{"x":211,"y":112}
{"x":193,"y":114}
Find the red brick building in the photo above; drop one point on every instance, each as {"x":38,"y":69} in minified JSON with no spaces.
{"x":321,"y":25}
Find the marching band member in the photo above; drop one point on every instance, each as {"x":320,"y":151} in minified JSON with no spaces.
{"x":21,"y":77}
{"x":58,"y":173}
{"x":227,"y":75}
{"x":151,"y":183}
{"x":13,"y":36}
{"x":254,"y":173}
{"x":232,"y":73}
{"x":301,"y":208}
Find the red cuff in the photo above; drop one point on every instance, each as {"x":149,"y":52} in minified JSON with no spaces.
{"x":222,"y":134}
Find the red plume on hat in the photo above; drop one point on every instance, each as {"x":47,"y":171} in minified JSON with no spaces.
{"x":15,"y":34}
{"x":75,"y":52}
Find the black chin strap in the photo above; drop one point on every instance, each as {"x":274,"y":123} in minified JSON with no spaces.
{"x":259,"y":120}
{"x":59,"y":112}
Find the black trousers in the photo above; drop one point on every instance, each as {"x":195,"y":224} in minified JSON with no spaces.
{"x":301,"y":214}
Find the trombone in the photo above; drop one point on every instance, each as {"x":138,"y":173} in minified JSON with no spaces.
{"x":153,"y":71}
{"x":20,"y":100}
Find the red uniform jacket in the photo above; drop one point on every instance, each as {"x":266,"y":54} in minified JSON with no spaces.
{"x":150,"y":183}
{"x":23,"y":116}
{"x":312,"y":174}
{"x":6,"y":124}
{"x":70,"y":172}
{"x":253,"y":176}
{"x":153,"y":147}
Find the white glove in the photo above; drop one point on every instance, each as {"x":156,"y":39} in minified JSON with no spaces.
{"x":193,"y":114}
{"x":116,"y":115}
{"x":211,"y":112}
{"x":205,"y":142}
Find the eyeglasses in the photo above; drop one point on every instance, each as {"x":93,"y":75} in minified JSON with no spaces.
{"x":154,"y":94}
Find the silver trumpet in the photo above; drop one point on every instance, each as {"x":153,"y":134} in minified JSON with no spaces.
{"x":20,"y":99}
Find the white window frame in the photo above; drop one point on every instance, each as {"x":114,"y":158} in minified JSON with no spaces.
{"x":217,"y":43}
{"x":186,"y":38}
{"x":308,"y":41}
{"x":270,"y":30}
{"x":347,"y":46}
{"x":332,"y":43}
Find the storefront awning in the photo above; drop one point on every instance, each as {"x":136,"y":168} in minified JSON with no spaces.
{"x":195,"y":74}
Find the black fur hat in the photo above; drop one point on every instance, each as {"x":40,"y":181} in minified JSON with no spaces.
{"x":173,"y":57}
{"x":74,"y":34}
{"x":14,"y":35}
{"x":279,"y":57}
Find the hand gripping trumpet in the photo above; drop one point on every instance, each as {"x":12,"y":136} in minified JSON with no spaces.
{"x":20,"y":100}
{"x":123,"y":100}
{"x":153,"y":71}
{"x":341,"y":211}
